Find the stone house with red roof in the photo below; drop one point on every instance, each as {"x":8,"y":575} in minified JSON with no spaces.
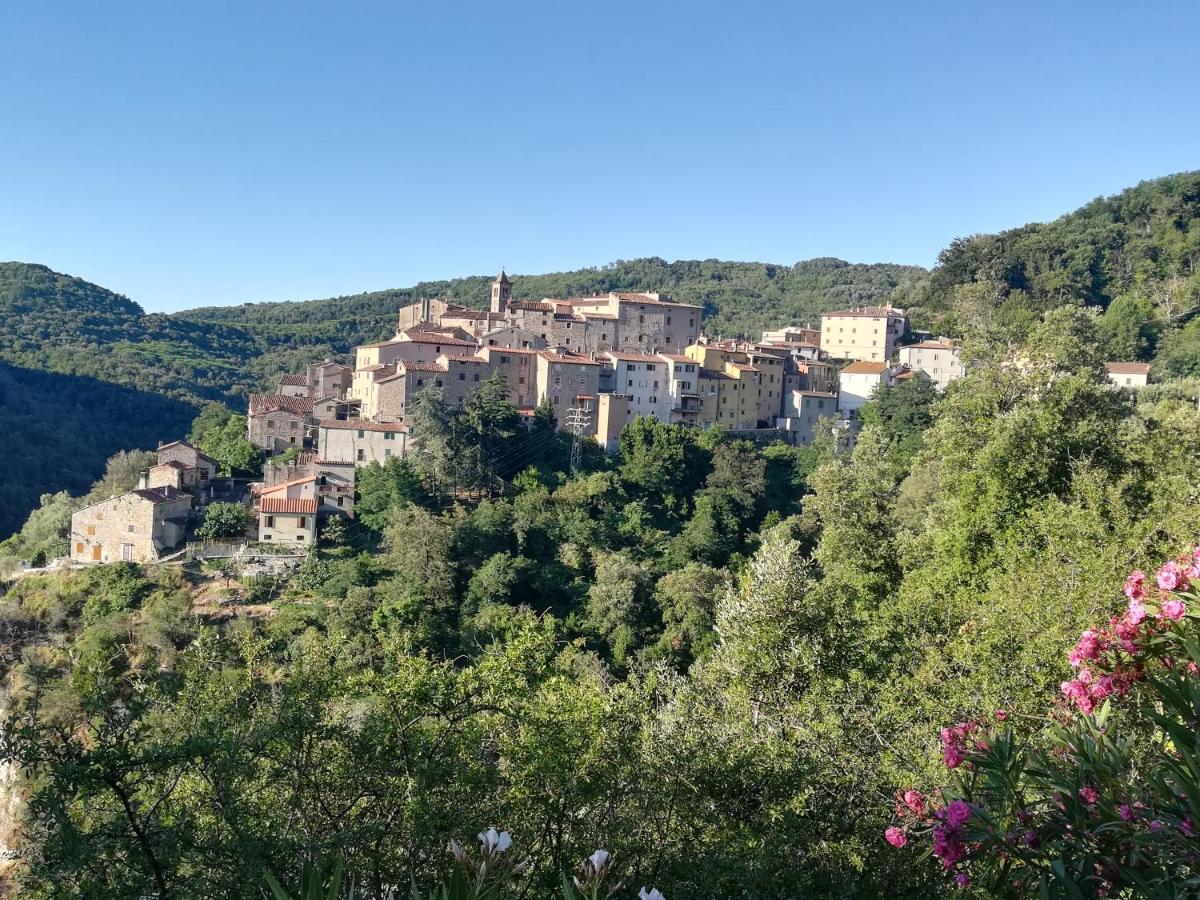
{"x":138,"y":526}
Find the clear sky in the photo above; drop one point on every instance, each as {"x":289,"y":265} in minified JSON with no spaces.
{"x":189,"y":154}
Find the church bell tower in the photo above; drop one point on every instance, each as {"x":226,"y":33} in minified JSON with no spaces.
{"x":501,"y":293}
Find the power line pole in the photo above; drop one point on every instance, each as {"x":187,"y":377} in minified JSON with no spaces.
{"x":579,"y":418}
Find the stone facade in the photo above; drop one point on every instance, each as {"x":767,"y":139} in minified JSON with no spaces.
{"x":135,"y":527}
{"x":277,"y":422}
{"x":198,"y":468}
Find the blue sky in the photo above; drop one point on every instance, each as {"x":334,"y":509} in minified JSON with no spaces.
{"x":214,"y":153}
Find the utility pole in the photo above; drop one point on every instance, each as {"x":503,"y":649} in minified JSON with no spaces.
{"x":579,"y":418}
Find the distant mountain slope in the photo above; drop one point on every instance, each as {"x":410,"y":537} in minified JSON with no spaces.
{"x":738,"y":297}
{"x":59,"y":430}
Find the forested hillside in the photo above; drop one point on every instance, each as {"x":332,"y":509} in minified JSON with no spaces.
{"x":739,"y":298}
{"x":717,"y":661}
{"x":1135,"y":256}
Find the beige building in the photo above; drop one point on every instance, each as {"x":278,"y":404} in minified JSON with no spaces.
{"x":361,"y":442}
{"x":870,"y":333}
{"x":1132,"y":375}
{"x":804,"y":335}
{"x":611,"y":414}
{"x":287,"y":512}
{"x":938,"y":360}
{"x":135,"y":527}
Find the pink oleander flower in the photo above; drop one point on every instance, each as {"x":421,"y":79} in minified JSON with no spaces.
{"x":1155,"y":825}
{"x":915,"y":801}
{"x":957,"y":813}
{"x":1170,"y":577}
{"x":1137,"y":611}
{"x":962,"y":879}
{"x":1088,"y":795}
{"x":896,"y":837}
{"x":1031,"y":839}
{"x":1125,"y":811}
{"x":1087,"y":648}
{"x":1102,"y":687}
{"x":1173,"y":609}
{"x":1135,"y":585}
{"x":1187,"y":827}
{"x":1001,"y":715}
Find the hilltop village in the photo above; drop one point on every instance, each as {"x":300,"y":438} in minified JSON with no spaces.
{"x":596,"y":363}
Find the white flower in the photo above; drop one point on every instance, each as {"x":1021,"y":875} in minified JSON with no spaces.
{"x":598,"y":859}
{"x":493,"y":840}
{"x":458,"y":852}
{"x":652,"y":894}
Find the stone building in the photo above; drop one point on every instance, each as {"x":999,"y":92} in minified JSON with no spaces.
{"x":868,"y":333}
{"x":198,"y":468}
{"x":562,"y":378}
{"x":138,"y":526}
{"x":277,"y":422}
{"x":936,"y":359}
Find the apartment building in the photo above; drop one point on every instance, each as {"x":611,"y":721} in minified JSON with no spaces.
{"x":868,"y":333}
{"x":937,"y":359}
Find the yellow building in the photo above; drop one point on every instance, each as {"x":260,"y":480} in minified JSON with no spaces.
{"x":869,"y":333}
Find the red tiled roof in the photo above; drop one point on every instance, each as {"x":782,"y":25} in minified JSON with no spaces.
{"x":421,"y":338}
{"x":424,"y":367}
{"x":333,"y":462}
{"x":360,"y":424}
{"x":678,"y":357}
{"x":742,"y":367}
{"x":284,"y":505}
{"x":874,"y":312}
{"x":265,"y":403}
{"x":495,"y":349}
{"x":929,"y":345}
{"x":294,"y":380}
{"x":632,"y":357}
{"x":573,"y":359}
{"x":1127,"y":368}
{"x":863,"y":367}
{"x":531,"y":306}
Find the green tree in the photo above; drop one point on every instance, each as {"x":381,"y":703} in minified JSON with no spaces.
{"x":225,"y":520}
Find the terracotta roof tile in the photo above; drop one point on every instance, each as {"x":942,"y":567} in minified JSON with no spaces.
{"x":1127,"y":368}
{"x":294,"y":380}
{"x":862,"y":367}
{"x":285,"y":505}
{"x":265,"y":403}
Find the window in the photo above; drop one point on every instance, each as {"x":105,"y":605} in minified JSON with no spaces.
{"x":568,"y":342}
{"x":668,"y":320}
{"x":504,"y":359}
{"x":521,"y":379}
{"x":420,"y":382}
{"x":437,"y":349}
{"x":491,"y":343}
{"x":476,"y":376}
{"x":649,"y":367}
{"x":292,"y":439}
{"x":268,"y":537}
{"x":387,"y":453}
{"x":462,"y":376}
{"x":270,"y":423}
{"x":604,"y":335}
{"x":302,"y":522}
{"x":653,"y":399}
{"x":362,"y":433}
{"x":299,"y":537}
{"x":669,"y":341}
{"x":270,"y":522}
{"x":362,"y":455}
{"x":691,"y":323}
{"x":127,"y":552}
{"x":631,"y":382}
{"x":79,"y":547}
{"x":641,"y":319}
{"x":341,"y":501}
{"x":438,"y":382}
{"x":389,"y":435}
